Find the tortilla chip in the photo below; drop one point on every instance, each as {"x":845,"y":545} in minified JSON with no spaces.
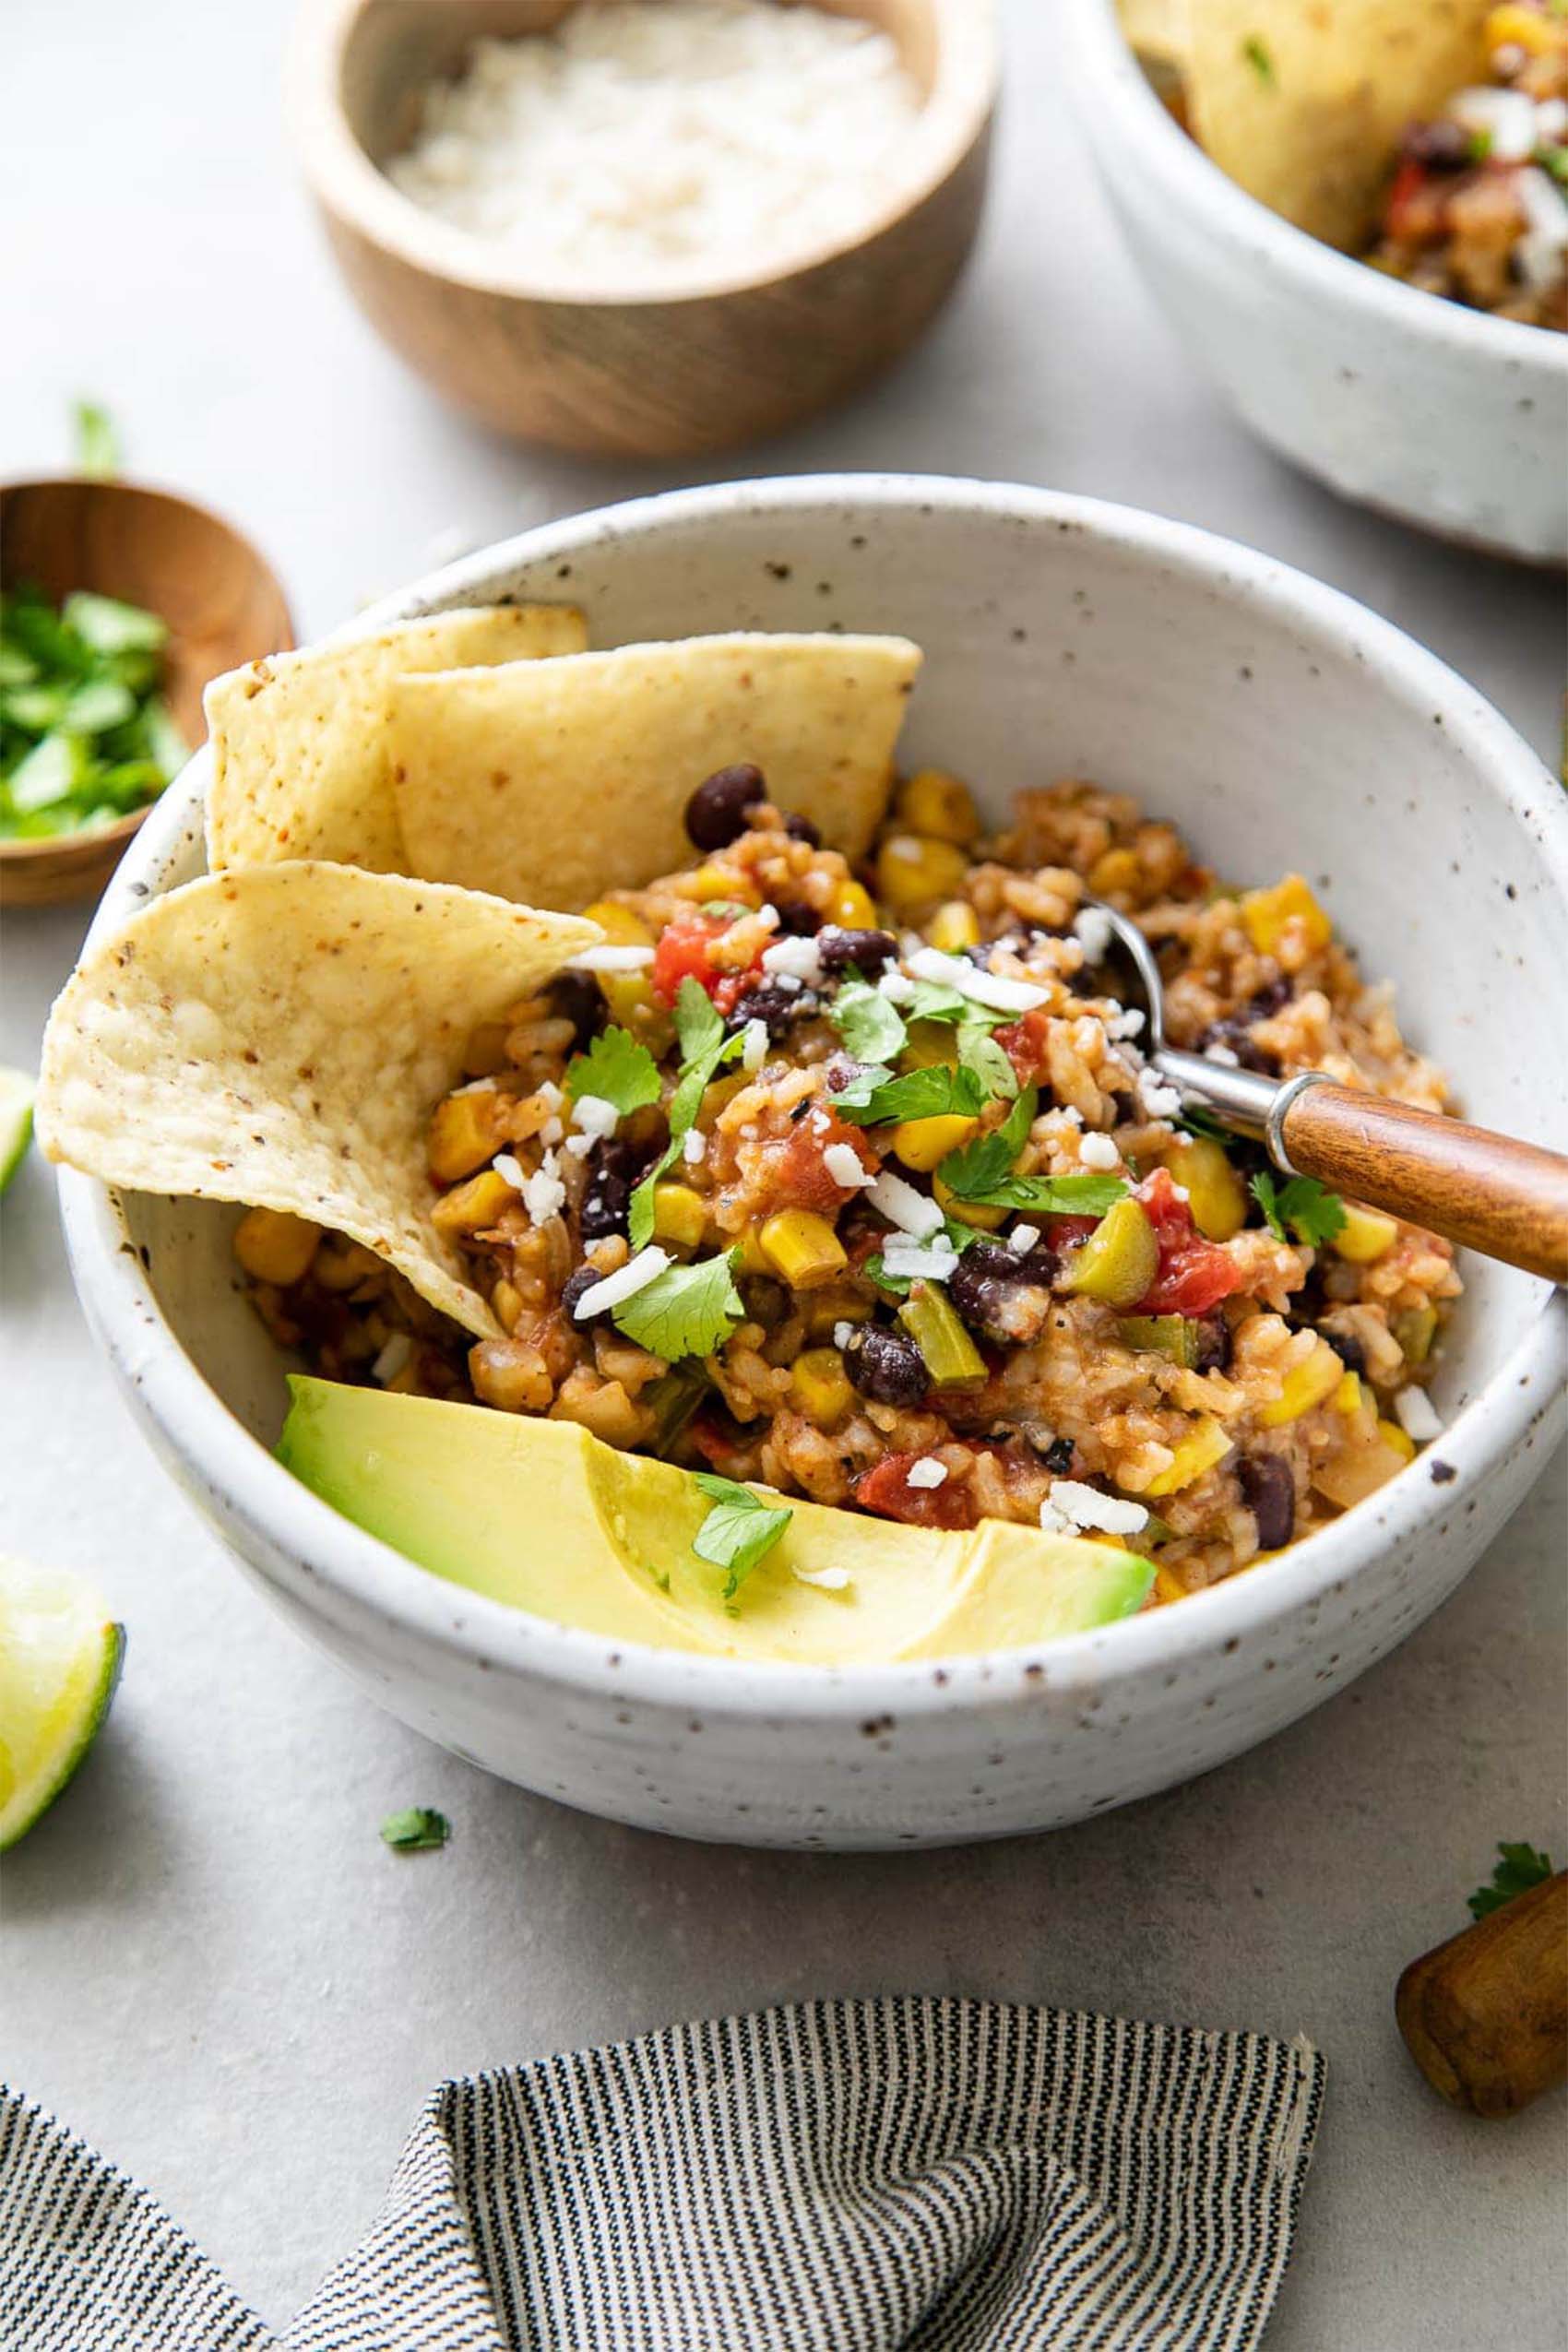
{"x":299,"y":741}
{"x":1159,"y":31}
{"x":551,"y":781}
{"x":279,"y":1036}
{"x":1303,"y":101}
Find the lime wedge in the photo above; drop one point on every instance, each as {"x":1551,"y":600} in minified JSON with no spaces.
{"x":60,"y":1656}
{"x":16,"y":1121}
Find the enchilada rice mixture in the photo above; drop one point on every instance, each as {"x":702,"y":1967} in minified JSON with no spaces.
{"x":1479,"y":206}
{"x":857,"y":1185}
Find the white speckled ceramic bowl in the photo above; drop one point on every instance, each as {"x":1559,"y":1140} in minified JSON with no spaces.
{"x":1280,"y":724}
{"x":1427,"y":410}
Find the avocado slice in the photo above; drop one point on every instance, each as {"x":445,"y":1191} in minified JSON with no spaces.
{"x":541,"y":1515}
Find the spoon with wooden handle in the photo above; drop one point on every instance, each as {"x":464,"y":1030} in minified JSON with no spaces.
{"x":1485,"y":2015}
{"x":1492,"y":1193}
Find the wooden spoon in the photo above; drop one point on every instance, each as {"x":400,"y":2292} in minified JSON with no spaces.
{"x":221,"y":602}
{"x":1485,"y":2015}
{"x":1490,"y":1192}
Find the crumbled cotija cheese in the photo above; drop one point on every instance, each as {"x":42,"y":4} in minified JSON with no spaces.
{"x":649,"y":142}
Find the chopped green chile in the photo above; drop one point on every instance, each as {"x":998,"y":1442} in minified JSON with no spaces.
{"x":933,"y":1323}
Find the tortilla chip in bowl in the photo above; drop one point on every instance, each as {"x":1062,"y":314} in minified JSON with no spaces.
{"x":1223,"y":646}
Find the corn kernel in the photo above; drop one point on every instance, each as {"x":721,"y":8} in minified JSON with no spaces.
{"x":912,"y":870}
{"x":935,"y":803}
{"x":1393,"y":1435}
{"x":474,"y":1205}
{"x":1303,"y":1387}
{"x":820,"y":1386}
{"x":1289,"y":909}
{"x":1347,"y":1396}
{"x":506,"y":1302}
{"x":713,"y":882}
{"x":628,"y":994}
{"x":620,"y":926}
{"x":1116,"y":871}
{"x":1364,"y":1236}
{"x":753,"y":1258}
{"x":975,"y":1213}
{"x":1215,"y":1192}
{"x":954,"y":927}
{"x":1167,"y":1586}
{"x":1208,"y":1444}
{"x":852,"y":908}
{"x":1120,"y":1259}
{"x":1516,"y":26}
{"x":921,"y":1143}
{"x":463,"y":1136}
{"x":802,"y":1247}
{"x":679,"y":1214}
{"x":274,"y":1247}
{"x":838,"y":1303}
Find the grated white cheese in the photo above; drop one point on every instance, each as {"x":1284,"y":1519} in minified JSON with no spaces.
{"x":899,"y":1203}
{"x":477,"y":1085}
{"x":625,"y":1283}
{"x":1073,"y":1504}
{"x":897,"y":986}
{"x":1417,"y":1415}
{"x":796,"y":959}
{"x":1506,"y":116}
{"x":920,"y":1262}
{"x":1158,"y":1100}
{"x":398,"y":1352}
{"x":610,"y":959}
{"x":544,"y":1195}
{"x":927,"y":1472}
{"x":843,"y":1165}
{"x":994,"y":990}
{"x":694,"y":1147}
{"x":1098,"y":1151}
{"x":1022,"y":1238}
{"x":668,"y":146}
{"x":842,"y":1333}
{"x":595,"y":1116}
{"x":754,"y":1045}
{"x":826,"y":1580}
{"x":1093,"y":929}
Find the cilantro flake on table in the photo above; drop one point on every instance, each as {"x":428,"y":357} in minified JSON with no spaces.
{"x":740,"y":1530}
{"x":1256,"y":53}
{"x":417,"y":1827}
{"x":98,"y":445}
{"x":685,"y":1310}
{"x":1311,"y":1211}
{"x":1520,"y":1869}
{"x":618,"y":1069}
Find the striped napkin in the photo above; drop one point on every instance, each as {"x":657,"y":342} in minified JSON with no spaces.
{"x":883,"y":2176}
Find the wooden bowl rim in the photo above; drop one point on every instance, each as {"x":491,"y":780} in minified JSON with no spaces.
{"x":86,"y":849}
{"x":354,"y":190}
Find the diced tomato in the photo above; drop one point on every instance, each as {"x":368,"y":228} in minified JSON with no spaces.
{"x":1195,"y":1274}
{"x":885,"y":1490}
{"x":1416,"y":212}
{"x":719,"y":1450}
{"x":796,"y":1169}
{"x":683,"y":954}
{"x":1066,"y":1232}
{"x":1023,"y":1042}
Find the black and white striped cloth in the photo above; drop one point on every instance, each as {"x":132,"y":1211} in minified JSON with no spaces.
{"x":884,"y":2175}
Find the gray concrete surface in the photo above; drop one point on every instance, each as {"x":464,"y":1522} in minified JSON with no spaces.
{"x":211,"y":1967}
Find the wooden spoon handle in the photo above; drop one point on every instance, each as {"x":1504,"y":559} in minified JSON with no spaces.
{"x":1488,"y":1192}
{"x":1485,"y":2015}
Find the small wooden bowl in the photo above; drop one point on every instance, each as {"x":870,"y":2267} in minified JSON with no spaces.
{"x":644,"y":376}
{"x":221,"y":602}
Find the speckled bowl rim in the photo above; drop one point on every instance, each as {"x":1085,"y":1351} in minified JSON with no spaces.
{"x":1323,"y":276}
{"x":326,"y":1555}
{"x":345,"y":179}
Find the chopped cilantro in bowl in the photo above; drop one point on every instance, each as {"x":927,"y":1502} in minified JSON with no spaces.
{"x":85,"y":735}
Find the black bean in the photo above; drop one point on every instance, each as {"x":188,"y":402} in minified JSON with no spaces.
{"x":1348,"y":1349}
{"x":577,"y":997}
{"x":1214,"y":1345}
{"x":1441,"y":146}
{"x":572,"y":1290}
{"x":716,"y":814}
{"x":1235,"y":1036}
{"x":613,"y":1171}
{"x":796,"y":921}
{"x":987,"y":1273}
{"x":1058,"y":1456}
{"x":867,"y":951}
{"x":886,"y":1365}
{"x":775,"y":1006}
{"x":800,"y":829}
{"x":1268,"y":1489}
{"x":1268,"y":1001}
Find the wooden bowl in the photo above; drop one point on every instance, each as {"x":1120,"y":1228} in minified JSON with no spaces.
{"x":640,"y":375}
{"x":221,"y":602}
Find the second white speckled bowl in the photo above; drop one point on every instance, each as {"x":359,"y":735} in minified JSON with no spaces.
{"x":1437,"y":414}
{"x":1282,"y":726}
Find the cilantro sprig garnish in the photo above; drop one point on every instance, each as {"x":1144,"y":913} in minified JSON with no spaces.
{"x":685,"y":1310}
{"x":1520,"y":1869}
{"x":871,"y":1026}
{"x":982,"y":1172}
{"x":1311,"y":1211}
{"x":739,"y":1531}
{"x":703,"y":1046}
{"x":416,"y":1827}
{"x":616,"y":1068}
{"x":874,"y":1097}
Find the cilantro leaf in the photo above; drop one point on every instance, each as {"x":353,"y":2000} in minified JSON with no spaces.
{"x":969,"y":1172}
{"x":978,"y":1051}
{"x":1520,"y":1869}
{"x":97,"y":447}
{"x":1196,"y":1120}
{"x":1313,"y":1213}
{"x":685,"y":1310}
{"x":1255,"y":52}
{"x":875,"y":1098}
{"x":870,"y":1026}
{"x":697,"y":1024}
{"x":703,"y":1047}
{"x":740,"y":1530}
{"x":1055,"y":1196}
{"x":417,"y":1826}
{"x":616,"y":1068}
{"x":939,"y":1001}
